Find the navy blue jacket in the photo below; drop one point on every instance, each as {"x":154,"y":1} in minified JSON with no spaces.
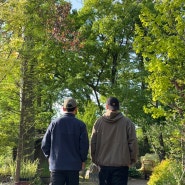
{"x":66,"y":143}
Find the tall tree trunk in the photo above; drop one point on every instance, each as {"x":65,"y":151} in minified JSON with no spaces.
{"x":25,"y":149}
{"x":29,"y":128}
{"x":21,"y":125}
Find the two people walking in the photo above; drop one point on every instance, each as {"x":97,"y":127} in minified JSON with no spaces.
{"x":113,"y":145}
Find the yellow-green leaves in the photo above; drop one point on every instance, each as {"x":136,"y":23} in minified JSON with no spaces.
{"x":161,"y":41}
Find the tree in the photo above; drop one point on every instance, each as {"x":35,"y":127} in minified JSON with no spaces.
{"x":89,"y":116}
{"x":107,"y":55}
{"x":160,"y":39}
{"x":25,"y":27}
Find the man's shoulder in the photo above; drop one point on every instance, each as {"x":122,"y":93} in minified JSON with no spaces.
{"x":80,"y":121}
{"x":98,"y":121}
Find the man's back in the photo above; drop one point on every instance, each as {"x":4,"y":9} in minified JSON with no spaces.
{"x":113,"y":145}
{"x":113,"y":133}
{"x":68,"y":143}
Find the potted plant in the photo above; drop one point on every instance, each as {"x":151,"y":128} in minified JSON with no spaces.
{"x":27,"y":173}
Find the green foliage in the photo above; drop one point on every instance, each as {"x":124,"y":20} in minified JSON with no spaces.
{"x":149,"y":161}
{"x":167,"y":172}
{"x":5,"y":161}
{"x":106,"y":30}
{"x":91,"y":53}
{"x":144,"y":146}
{"x":28,"y":169}
{"x":44,"y":169}
{"x":172,"y":136}
{"x":153,"y":157}
{"x":160,"y":40}
{"x":133,"y":172}
{"x":89,"y":115}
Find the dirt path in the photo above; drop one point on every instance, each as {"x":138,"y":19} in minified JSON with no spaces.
{"x":130,"y":182}
{"x":137,"y":182}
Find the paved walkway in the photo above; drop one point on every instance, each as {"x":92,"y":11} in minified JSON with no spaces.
{"x":137,"y":182}
{"x":130,"y":182}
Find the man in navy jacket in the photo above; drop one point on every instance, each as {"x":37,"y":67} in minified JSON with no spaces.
{"x":66,"y":144}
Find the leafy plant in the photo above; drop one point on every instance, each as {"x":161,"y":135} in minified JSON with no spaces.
{"x":153,"y":160}
{"x":5,"y":160}
{"x":28,"y":169}
{"x":133,"y":172}
{"x":167,"y":172}
{"x":4,"y":170}
{"x":44,"y":169}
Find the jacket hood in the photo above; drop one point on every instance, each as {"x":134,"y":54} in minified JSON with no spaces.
{"x":112,"y":117}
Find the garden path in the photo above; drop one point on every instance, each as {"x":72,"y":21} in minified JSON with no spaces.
{"x":130,"y":182}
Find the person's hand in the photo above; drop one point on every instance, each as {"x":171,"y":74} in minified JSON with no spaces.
{"x":83,"y":165}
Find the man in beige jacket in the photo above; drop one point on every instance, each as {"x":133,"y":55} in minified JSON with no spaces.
{"x":113,"y":145}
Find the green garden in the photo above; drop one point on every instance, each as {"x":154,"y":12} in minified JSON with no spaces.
{"x":131,"y":49}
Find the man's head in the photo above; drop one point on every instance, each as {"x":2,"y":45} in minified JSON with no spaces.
{"x":112,"y":104}
{"x":69,"y":105}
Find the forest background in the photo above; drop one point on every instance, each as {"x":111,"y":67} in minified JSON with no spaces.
{"x":130,"y":49}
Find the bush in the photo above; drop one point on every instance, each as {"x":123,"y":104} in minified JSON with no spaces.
{"x":168,"y":172}
{"x":44,"y":169}
{"x":151,"y":157}
{"x":4,"y":166}
{"x":148,"y":162}
{"x":5,"y":170}
{"x":28,"y":169}
{"x":133,"y":172}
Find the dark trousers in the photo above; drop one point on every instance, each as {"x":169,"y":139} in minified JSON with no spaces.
{"x":64,"y":178}
{"x":113,"y":175}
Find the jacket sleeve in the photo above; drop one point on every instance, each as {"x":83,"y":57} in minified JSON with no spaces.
{"x":46,"y":143}
{"x":84,"y":143}
{"x":132,"y":143}
{"x":93,"y":144}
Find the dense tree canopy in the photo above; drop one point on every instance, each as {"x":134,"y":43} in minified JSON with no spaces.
{"x":129,"y":49}
{"x":160,"y":39}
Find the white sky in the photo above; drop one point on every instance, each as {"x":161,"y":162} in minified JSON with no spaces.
{"x":76,"y":4}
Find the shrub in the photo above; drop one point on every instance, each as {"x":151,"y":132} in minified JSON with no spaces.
{"x":168,"y":172}
{"x":5,"y":170}
{"x":148,"y":162}
{"x":44,"y":169}
{"x":4,"y":165}
{"x":133,"y":172}
{"x":150,"y":157}
{"x":28,"y":169}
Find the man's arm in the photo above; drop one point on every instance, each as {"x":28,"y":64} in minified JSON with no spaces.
{"x":84,"y":143}
{"x":46,"y":143}
{"x":93,"y":144}
{"x":132,"y":143}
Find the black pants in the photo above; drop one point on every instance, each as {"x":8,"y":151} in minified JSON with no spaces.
{"x":64,"y":178}
{"x":113,"y":175}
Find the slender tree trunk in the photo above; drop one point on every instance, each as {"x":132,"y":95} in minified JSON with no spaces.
{"x":21,"y":126}
{"x":25,"y":149}
{"x":29,"y":124}
{"x":162,"y":152}
{"x":146,"y":145}
{"x":97,"y":99}
{"x":114,"y":69}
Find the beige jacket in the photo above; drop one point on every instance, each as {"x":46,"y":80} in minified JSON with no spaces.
{"x":113,"y":141}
